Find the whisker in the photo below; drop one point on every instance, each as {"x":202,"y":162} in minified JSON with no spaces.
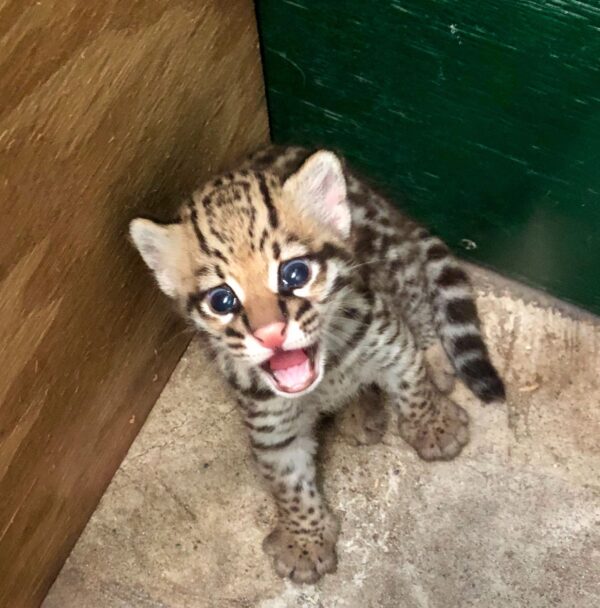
{"x":186,"y":330}
{"x":375,"y":261}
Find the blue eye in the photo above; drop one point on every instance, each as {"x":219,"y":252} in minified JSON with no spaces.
{"x":293,"y":274}
{"x":222,"y":300}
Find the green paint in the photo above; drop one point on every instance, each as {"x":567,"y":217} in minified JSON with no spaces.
{"x":485,"y":113}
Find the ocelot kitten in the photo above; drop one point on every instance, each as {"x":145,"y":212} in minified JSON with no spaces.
{"x":312,"y":290}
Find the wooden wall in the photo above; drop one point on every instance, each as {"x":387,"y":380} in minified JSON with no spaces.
{"x":107,"y":109}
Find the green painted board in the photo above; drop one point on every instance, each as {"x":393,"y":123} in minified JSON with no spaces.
{"x":485,"y":113}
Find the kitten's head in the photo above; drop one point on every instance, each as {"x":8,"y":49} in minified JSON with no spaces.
{"x":260,"y":266}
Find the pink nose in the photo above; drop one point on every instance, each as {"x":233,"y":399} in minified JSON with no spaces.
{"x":271,"y":335}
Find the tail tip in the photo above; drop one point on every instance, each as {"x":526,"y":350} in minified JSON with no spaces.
{"x":490,"y":389}
{"x":481,"y":377}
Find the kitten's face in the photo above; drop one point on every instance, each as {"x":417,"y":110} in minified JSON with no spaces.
{"x":260,"y":267}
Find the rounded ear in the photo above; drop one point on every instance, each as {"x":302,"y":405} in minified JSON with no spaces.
{"x":319,"y":187}
{"x":159,"y":247}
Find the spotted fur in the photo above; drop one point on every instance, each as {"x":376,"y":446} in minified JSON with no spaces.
{"x":383,"y":292}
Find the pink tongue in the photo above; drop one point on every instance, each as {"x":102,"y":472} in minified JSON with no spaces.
{"x":292,"y":369}
{"x":287,"y":358}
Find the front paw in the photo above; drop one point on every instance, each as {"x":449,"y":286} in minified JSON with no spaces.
{"x":438,"y":433}
{"x":303,"y":555}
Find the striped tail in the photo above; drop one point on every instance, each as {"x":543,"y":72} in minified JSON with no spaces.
{"x":457,"y":321}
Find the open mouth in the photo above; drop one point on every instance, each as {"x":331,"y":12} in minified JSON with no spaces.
{"x":292,"y":371}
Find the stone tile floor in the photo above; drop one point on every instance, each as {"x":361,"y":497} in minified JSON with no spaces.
{"x":514,"y":521}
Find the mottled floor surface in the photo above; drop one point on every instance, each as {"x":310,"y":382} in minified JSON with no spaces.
{"x":514,"y":521}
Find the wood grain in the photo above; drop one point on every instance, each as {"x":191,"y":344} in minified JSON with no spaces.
{"x":107,"y":110}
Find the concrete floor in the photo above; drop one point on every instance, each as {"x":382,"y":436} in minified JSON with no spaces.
{"x":514,"y":521}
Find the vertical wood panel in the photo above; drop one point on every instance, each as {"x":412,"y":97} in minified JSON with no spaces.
{"x":106,"y":110}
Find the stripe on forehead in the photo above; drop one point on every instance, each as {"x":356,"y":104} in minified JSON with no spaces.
{"x":194,"y":217}
{"x":200,"y":235}
{"x":215,"y":194}
{"x":268,"y":201}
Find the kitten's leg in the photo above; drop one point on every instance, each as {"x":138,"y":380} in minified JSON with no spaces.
{"x":428,"y":420}
{"x":303,"y":542}
{"x":364,"y":420}
{"x":440,"y":368}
